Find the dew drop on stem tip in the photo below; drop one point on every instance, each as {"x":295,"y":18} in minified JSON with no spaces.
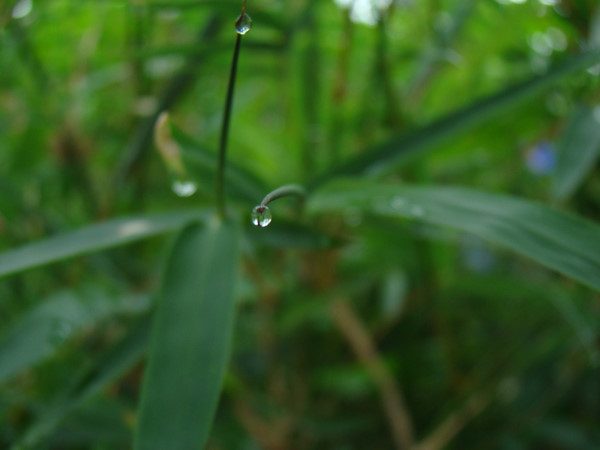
{"x":261,"y":216}
{"x":184,"y":188}
{"x":243,"y":24}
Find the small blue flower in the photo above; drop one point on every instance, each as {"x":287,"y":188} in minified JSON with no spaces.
{"x":541,"y":159}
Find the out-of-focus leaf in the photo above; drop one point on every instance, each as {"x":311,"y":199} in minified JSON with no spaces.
{"x":93,"y":238}
{"x":339,"y":427}
{"x":558,"y":240}
{"x":583,"y":331}
{"x":5,"y":11}
{"x":563,"y":434}
{"x":494,"y":288}
{"x":228,"y":7}
{"x":350,"y":382}
{"x":36,"y":336}
{"x":432,"y":57}
{"x":286,"y":234}
{"x":109,"y":367}
{"x":383,"y":157}
{"x":579,"y":150}
{"x":97,"y":423}
{"x":180,"y":83}
{"x":191,"y":340}
{"x":202,"y":165}
{"x":261,"y":46}
{"x":393,"y":293}
{"x":595,"y":29}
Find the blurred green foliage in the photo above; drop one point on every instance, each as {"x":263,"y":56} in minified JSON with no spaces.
{"x":359,"y":326}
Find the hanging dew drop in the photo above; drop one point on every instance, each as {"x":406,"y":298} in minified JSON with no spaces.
{"x":184,"y":188}
{"x":243,"y":24}
{"x":261,"y":216}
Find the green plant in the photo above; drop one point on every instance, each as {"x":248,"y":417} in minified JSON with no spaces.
{"x":188,"y":327}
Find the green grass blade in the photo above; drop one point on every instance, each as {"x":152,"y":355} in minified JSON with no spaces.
{"x":558,"y":240}
{"x":36,"y":335}
{"x":579,"y":149}
{"x":108,"y":368}
{"x":381,"y":157}
{"x":112,"y":233}
{"x":191,"y":339}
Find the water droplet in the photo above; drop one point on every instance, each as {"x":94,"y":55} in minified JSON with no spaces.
{"x":261,"y":216}
{"x":558,"y":39}
{"x":594,"y":70}
{"x":184,"y":188}
{"x":417,"y":211}
{"x":22,"y":9}
{"x":243,"y":24}
{"x":541,"y":43}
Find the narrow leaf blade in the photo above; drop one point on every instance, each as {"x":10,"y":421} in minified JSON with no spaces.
{"x":108,"y":368}
{"x":579,"y":150}
{"x":383,"y":157}
{"x":38,"y":333}
{"x":555,"y":239}
{"x":112,"y":233}
{"x":191,"y":339}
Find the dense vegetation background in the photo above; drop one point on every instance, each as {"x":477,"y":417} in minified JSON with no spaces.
{"x":354,"y":330}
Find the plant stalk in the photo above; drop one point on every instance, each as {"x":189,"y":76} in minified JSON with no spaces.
{"x":284,"y":191}
{"x":225,"y":129}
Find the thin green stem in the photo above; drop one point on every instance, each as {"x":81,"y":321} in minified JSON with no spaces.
{"x":284,"y":191}
{"x":225,"y":129}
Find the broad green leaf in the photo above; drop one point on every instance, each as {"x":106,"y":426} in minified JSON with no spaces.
{"x":108,"y":368}
{"x":39,"y":332}
{"x":381,"y":157}
{"x":579,"y":150}
{"x":93,"y":238}
{"x":191,"y":339}
{"x":558,"y":240}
